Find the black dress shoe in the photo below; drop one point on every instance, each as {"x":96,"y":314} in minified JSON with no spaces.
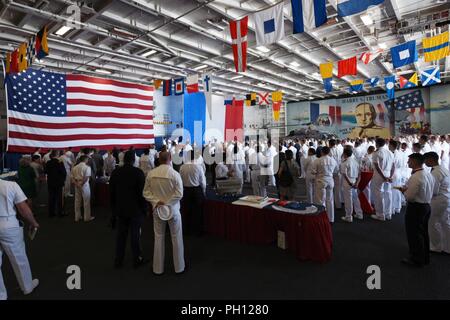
{"x":140,"y":262}
{"x":412,"y":263}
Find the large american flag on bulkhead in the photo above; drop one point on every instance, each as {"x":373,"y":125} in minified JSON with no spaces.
{"x":52,"y":110}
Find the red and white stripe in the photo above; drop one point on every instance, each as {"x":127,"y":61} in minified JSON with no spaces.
{"x":101,"y":113}
{"x":238,"y":31}
{"x":368,"y":57}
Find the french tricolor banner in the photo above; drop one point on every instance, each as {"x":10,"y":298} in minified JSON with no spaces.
{"x":334,"y":112}
{"x":238,"y":31}
{"x":308,"y":14}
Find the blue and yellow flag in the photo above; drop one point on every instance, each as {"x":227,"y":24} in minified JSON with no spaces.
{"x":436,"y":47}
{"x":326,"y":71}
{"x":409,"y":81}
{"x":356,"y":85}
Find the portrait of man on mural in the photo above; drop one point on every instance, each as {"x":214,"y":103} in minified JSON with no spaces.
{"x":365,"y":115}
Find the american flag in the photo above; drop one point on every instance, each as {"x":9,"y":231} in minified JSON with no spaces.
{"x":413,"y":103}
{"x":50,"y":110}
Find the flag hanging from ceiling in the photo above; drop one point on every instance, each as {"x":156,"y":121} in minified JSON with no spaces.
{"x":207,"y":90}
{"x":430,"y":76}
{"x":276,"y":106}
{"x":369,"y":56}
{"x":14,"y":65}
{"x":308,"y":14}
{"x":157,"y":83}
{"x":351,"y":7}
{"x":238,"y":31}
{"x":437,"y":47}
{"x":23,"y":65}
{"x":228,"y":100}
{"x":41,"y":46}
{"x":389,"y":82}
{"x":192,"y":83}
{"x":263,"y":98}
{"x":269,"y":25}
{"x":77,"y":111}
{"x":179,"y":86}
{"x":167,"y":87}
{"x":31,"y":52}
{"x":373,"y":81}
{"x":404,"y":54}
{"x":250,"y":99}
{"x":347,"y":67}
{"x":326,"y":71}
{"x":356,"y":85}
{"x":408,"y":81}
{"x":7,"y":62}
{"x":277,"y":96}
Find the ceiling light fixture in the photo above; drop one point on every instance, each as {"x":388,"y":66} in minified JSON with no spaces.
{"x":382,"y":45}
{"x":102,"y":71}
{"x":203,"y":66}
{"x":295,"y":64}
{"x":366,"y":19}
{"x":62,"y":31}
{"x":236,"y":77}
{"x":263,"y":49}
{"x":148,"y":53}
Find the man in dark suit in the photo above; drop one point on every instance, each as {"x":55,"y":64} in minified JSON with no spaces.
{"x":56,"y":177}
{"x":128,"y":207}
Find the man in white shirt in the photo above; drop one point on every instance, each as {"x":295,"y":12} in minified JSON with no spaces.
{"x":81,"y":174}
{"x":221,"y":171}
{"x":383,"y":162}
{"x":68,"y":164}
{"x":367,"y":166}
{"x":194,"y":183}
{"x":445,"y":149}
{"x":439,"y":223}
{"x":418,"y":194}
{"x":259,"y":179}
{"x":12,"y":238}
{"x":164,"y":187}
{"x":152,"y":153}
{"x":336,"y":154}
{"x":359,"y":151}
{"x":350,"y":172}
{"x":323,"y":170}
{"x":397,"y":180}
{"x":425,"y":146}
{"x":144,"y":162}
{"x":308,"y":165}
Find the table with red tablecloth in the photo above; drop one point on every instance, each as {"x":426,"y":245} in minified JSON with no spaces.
{"x":309,"y":236}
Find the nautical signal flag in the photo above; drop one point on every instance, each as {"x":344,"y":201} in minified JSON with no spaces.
{"x":14,"y":65}
{"x":7,"y":62}
{"x":277,"y":96}
{"x":157,"y":83}
{"x":228,"y":100}
{"x":326,"y":71}
{"x":238,"y":31}
{"x":41,"y":43}
{"x":430,"y":76}
{"x":276,"y":106}
{"x":250,"y":99}
{"x":207,"y":91}
{"x":373,"y":81}
{"x":356,"y":85}
{"x":23,"y":64}
{"x":369,"y":56}
{"x":269,"y":25}
{"x":351,"y":7}
{"x":263,"y":98}
{"x":389,"y":82}
{"x":167,"y":87}
{"x":436,"y":47}
{"x":192,"y":83}
{"x":404,"y":54}
{"x":31,"y":50}
{"x":347,"y":67}
{"x":409,"y":81}
{"x":179,"y":86}
{"x":308,"y":14}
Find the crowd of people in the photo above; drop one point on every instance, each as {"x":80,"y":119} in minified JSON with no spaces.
{"x":408,"y":170}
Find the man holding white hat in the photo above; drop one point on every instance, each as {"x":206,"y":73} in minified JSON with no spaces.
{"x":164,"y":190}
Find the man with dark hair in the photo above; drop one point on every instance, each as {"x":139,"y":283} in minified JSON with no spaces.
{"x":323,"y":170}
{"x":439,"y":224}
{"x":350,"y":173}
{"x":129,"y":207}
{"x":56,"y":177}
{"x":418,"y":194}
{"x":336,"y":153}
{"x":383,"y":163}
{"x":397,"y":177}
{"x":366,"y":115}
{"x":425,"y":146}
